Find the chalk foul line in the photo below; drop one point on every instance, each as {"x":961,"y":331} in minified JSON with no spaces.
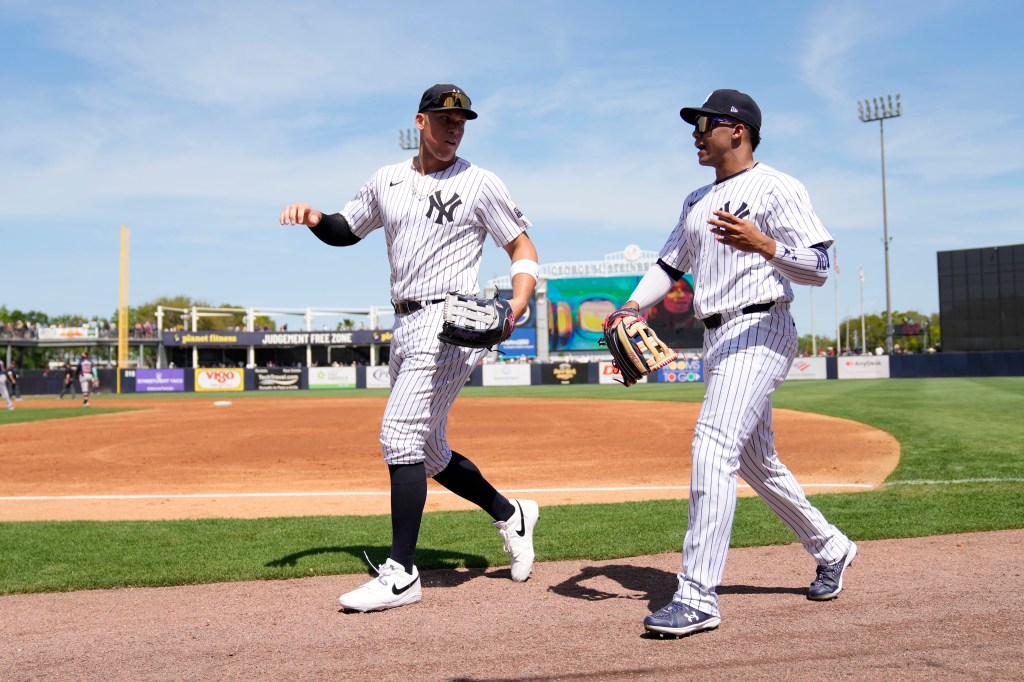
{"x":370,"y":493}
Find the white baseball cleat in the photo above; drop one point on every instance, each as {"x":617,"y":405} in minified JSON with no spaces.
{"x":518,"y":535}
{"x":392,"y":587}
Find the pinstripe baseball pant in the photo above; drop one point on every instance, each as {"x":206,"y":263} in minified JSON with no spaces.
{"x":745,"y":360}
{"x":426,"y":377}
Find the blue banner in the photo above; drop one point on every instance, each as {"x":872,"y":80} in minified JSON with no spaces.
{"x":682,"y":371}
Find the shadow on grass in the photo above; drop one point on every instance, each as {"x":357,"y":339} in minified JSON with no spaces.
{"x":438,"y":564}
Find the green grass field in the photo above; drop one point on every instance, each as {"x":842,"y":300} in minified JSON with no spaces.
{"x":961,"y":470}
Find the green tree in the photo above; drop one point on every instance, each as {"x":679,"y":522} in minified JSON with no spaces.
{"x":875,"y":330}
{"x":807,"y":344}
{"x":176,"y":319}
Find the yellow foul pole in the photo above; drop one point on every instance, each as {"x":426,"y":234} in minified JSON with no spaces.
{"x":122,"y":309}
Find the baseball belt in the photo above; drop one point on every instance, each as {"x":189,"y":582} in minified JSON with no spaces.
{"x":406,"y":307}
{"x":715,"y":321}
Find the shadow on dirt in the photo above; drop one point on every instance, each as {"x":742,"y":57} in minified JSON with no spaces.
{"x":641,"y":583}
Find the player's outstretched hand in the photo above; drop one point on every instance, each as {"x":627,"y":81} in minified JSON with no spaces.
{"x":301,"y":214}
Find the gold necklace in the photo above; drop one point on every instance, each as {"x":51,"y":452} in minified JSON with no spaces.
{"x":420,"y":178}
{"x":432,"y":186}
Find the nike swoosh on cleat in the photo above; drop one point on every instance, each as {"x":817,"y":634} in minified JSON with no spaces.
{"x":395,"y":183}
{"x":395,"y":589}
{"x":522,"y":522}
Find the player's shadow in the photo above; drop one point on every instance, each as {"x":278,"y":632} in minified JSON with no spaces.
{"x":440,"y":562}
{"x":641,"y":583}
{"x":637,"y":583}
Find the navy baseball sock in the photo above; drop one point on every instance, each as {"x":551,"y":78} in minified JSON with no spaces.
{"x":408,"y":495}
{"x":464,"y":479}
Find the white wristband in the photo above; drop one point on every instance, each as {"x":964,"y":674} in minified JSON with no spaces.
{"x":525,"y":266}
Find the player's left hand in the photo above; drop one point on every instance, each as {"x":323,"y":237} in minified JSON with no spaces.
{"x":742,"y":235}
{"x":300,"y":214}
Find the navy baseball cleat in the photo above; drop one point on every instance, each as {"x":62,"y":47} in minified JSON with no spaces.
{"x":829,"y":581}
{"x":679,"y":619}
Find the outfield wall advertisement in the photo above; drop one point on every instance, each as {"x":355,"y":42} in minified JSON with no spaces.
{"x":220,"y":379}
{"x":563,"y":373}
{"x":808,"y":368}
{"x":682,"y":372}
{"x":332,"y":377}
{"x":506,"y":374}
{"x":278,"y":378}
{"x":159,"y":380}
{"x":863,"y":367}
{"x":378,"y":377}
{"x":608,"y":373}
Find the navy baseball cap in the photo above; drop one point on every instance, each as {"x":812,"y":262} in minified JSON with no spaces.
{"x":446,"y":97}
{"x":729,"y":103}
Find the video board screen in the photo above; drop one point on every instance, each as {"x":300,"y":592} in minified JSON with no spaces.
{"x":578,"y":306}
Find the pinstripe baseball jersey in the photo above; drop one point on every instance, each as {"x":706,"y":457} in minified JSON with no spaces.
{"x":435,"y":225}
{"x":726,"y":279}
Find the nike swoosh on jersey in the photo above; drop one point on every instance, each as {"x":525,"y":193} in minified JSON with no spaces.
{"x":395,"y":183}
{"x":396,"y":590}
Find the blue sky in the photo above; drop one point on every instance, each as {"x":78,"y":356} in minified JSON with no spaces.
{"x":194,"y":123}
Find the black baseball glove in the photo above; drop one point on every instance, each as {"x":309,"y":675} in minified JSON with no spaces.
{"x":636,"y":350}
{"x":476,"y":322}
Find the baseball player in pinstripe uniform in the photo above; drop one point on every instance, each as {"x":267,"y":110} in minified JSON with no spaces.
{"x":746,"y":238}
{"x":437,"y":209}
{"x":3,"y":387}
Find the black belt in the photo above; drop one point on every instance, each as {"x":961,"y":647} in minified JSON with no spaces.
{"x":716,"y":320}
{"x":406,"y":307}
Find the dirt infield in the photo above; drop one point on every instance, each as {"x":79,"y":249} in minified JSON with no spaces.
{"x":937,"y":608}
{"x":279,"y":457}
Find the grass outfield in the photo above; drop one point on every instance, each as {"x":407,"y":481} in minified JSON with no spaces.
{"x":961,"y":470}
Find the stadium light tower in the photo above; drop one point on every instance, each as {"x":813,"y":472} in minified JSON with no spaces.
{"x":409,"y":139}
{"x":879,"y":109}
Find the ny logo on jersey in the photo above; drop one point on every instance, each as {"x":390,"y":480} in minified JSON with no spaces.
{"x":445,"y":209}
{"x":741,"y":212}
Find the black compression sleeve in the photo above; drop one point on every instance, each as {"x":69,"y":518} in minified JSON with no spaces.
{"x":334,"y":230}
{"x":669,"y":270}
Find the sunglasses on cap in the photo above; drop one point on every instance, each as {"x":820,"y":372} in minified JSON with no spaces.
{"x":452,"y":100}
{"x":706,"y":123}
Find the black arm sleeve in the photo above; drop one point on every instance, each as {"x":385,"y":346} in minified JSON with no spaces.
{"x":670,"y":271}
{"x":333,"y":229}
